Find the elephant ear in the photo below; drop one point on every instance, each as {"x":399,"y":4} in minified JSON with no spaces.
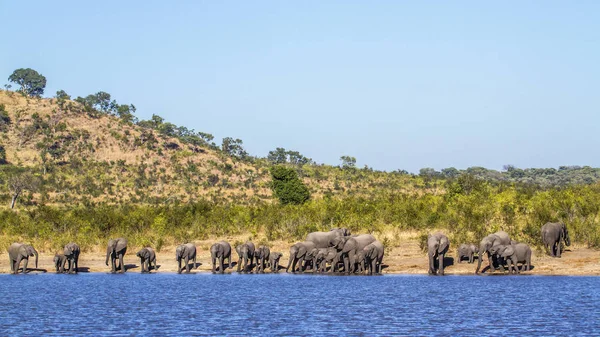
{"x":508,"y":251}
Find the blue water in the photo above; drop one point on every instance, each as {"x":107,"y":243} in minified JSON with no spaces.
{"x":283,"y":305}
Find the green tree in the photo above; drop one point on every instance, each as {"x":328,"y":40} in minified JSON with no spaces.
{"x":287,"y":187}
{"x":32,"y":83}
{"x":2,"y":155}
{"x":348,"y":162}
{"x":278,"y":156}
{"x":62,"y":95}
{"x":233,"y":147}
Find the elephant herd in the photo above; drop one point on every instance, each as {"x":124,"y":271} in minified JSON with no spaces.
{"x":500,"y":250}
{"x":335,"y":251}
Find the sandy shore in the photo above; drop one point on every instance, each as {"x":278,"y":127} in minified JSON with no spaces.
{"x":405,"y":258}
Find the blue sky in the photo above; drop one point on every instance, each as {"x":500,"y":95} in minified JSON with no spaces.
{"x":398,"y":85}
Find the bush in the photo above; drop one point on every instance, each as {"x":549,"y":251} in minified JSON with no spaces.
{"x":287,"y":187}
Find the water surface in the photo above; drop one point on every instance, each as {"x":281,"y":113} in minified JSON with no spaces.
{"x":203,"y":304}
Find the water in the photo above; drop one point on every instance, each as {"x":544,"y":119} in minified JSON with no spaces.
{"x":284,"y":305}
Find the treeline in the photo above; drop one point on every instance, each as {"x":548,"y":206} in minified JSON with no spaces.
{"x":470,"y":209}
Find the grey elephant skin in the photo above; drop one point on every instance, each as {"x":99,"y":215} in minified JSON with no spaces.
{"x":59,"y":263}
{"x":498,"y":238}
{"x":325,"y":239}
{"x":437,"y":247}
{"x":147,"y":259}
{"x":262,"y":254}
{"x":298,"y":253}
{"x":274,"y":261}
{"x":326,"y":256}
{"x":220,"y":251}
{"x":352,"y":246}
{"x":71,"y":252}
{"x":116,"y":249}
{"x":513,"y":254}
{"x":20,"y":252}
{"x":245,"y":256}
{"x":372,"y":256}
{"x":185,"y":252}
{"x":552,"y":235}
{"x":467,"y":251}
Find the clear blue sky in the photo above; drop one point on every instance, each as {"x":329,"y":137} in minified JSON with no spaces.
{"x":397,"y":84}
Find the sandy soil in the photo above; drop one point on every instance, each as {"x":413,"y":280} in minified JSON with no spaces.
{"x":404,"y":258}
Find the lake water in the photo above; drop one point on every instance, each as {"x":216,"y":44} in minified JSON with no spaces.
{"x":203,"y":304}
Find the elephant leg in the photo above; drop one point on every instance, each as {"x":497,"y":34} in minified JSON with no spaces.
{"x":187,"y":265}
{"x":122,"y":264}
{"x":25,"y":265}
{"x":221,"y":266}
{"x":441,"y":264}
{"x":178,"y":266}
{"x":76,"y":265}
{"x":238,"y":265}
{"x":431,"y":265}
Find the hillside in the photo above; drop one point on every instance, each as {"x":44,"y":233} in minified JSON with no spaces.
{"x":89,"y":171}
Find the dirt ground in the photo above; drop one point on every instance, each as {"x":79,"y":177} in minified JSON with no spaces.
{"x":404,"y":258}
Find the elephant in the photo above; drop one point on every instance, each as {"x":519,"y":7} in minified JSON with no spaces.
{"x":262,"y":254}
{"x":246,"y":256}
{"x":325,"y":239}
{"x":552,"y":235}
{"x":498,"y":238}
{"x":274,"y":261}
{"x":116,"y":250}
{"x":325,"y":256}
{"x":147,"y":258}
{"x":185,"y":252}
{"x":467,"y":251}
{"x":437,"y":246}
{"x":18,"y":252}
{"x":71,"y":252}
{"x":298,"y":252}
{"x":351,"y":247}
{"x":220,"y":251}
{"x":372,"y":256}
{"x":514,"y":254}
{"x":59,"y":263}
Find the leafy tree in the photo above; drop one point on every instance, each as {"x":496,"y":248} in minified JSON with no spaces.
{"x":287,"y":187}
{"x":2,"y":155}
{"x":450,"y":172}
{"x":297,"y":159}
{"x":17,"y":183}
{"x":4,"y":118}
{"x":126,"y":112}
{"x":428,"y":172}
{"x":233,"y":147}
{"x":278,"y":156}
{"x":62,"y":95}
{"x":32,"y":83}
{"x":348,"y":162}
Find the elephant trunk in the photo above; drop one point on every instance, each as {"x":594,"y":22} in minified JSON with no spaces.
{"x":107,"y":254}
{"x":36,"y":257}
{"x":480,"y":254}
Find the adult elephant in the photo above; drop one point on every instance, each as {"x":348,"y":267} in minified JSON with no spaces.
{"x":220,"y":251}
{"x":185,"y":252}
{"x":513,"y":254}
{"x":437,"y":247}
{"x":245,"y":255}
{"x":262,"y":255}
{"x":372,"y":256}
{"x":18,"y":252}
{"x":325,"y":239}
{"x":71,"y":252}
{"x":351,"y":248}
{"x":116,"y":250}
{"x":298,"y":252}
{"x":552,"y":235}
{"x":498,"y":238}
{"x":147,"y":258}
{"x":467,"y":251}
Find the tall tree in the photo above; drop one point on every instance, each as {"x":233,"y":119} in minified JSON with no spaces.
{"x":32,"y":83}
{"x":20,"y":182}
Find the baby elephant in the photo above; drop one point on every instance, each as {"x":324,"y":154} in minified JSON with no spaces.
{"x":274,"y":261}
{"x":513,"y":254}
{"x":467,"y":251}
{"x":147,"y":258}
{"x":262,"y":258}
{"x":59,"y":263}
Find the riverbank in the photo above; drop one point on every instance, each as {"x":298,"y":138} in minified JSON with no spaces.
{"x":404,"y":258}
